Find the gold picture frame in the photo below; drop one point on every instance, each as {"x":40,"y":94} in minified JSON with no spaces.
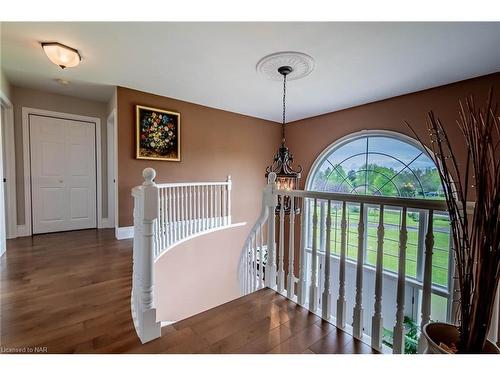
{"x":158,"y":134}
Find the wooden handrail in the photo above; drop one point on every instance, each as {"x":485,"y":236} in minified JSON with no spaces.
{"x":415,"y":203}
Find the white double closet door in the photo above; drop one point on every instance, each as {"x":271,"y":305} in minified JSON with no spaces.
{"x":63,"y":174}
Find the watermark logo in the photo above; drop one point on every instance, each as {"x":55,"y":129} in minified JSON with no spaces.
{"x":23,"y":349}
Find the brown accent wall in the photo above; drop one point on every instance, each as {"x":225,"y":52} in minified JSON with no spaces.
{"x":214,"y":144}
{"x":309,"y":137}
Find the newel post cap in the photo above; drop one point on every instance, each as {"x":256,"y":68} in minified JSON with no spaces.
{"x":271,"y":178}
{"x":149,"y":175}
{"x":271,"y":200}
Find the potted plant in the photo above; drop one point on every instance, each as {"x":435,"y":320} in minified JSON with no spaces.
{"x":476,"y":235}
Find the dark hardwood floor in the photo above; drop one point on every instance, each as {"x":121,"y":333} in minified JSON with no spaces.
{"x":70,"y":293}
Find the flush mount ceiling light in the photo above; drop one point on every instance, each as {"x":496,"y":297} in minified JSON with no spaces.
{"x":61,"y":55}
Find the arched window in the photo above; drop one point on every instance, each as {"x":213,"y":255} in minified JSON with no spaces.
{"x":379,"y":163}
{"x":386,"y":164}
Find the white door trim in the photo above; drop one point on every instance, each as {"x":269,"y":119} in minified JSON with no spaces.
{"x":10,"y":170}
{"x":112,"y":183}
{"x":26,"y":229}
{"x":115,"y":137}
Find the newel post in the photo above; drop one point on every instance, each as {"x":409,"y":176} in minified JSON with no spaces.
{"x":149,"y":216}
{"x":150,"y":329}
{"x":271,"y":201}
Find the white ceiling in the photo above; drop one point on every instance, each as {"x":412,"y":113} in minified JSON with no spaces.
{"x":214,"y":63}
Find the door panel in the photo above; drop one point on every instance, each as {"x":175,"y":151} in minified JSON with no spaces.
{"x":63,"y":174}
{"x":79,"y":198}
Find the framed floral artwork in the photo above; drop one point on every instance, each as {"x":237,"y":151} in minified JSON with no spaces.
{"x":158,"y":134}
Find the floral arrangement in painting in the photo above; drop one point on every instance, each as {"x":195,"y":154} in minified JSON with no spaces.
{"x":158,"y":134}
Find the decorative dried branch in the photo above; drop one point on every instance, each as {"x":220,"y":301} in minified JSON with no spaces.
{"x":476,"y":244}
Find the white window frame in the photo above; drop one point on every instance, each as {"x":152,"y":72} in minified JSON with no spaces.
{"x":439,"y":290}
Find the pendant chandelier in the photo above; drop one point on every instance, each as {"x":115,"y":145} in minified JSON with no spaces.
{"x":287,"y":178}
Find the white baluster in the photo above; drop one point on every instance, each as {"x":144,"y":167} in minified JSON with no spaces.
{"x":341,"y":301}
{"x":186,"y":218}
{"x":427,"y":282}
{"x":163,"y":221}
{"x":301,"y":286}
{"x":313,"y":290}
{"x":212,"y":206}
{"x":179,"y":212}
{"x":190,"y":211}
{"x":252,"y":274}
{"x":184,"y":211}
{"x":207,"y":213}
{"x":377,"y":321}
{"x":229,"y":187}
{"x":219,"y":205}
{"x":192,"y":202}
{"x":246,"y":270}
{"x":165,"y":212}
{"x":174,"y":214}
{"x":327,"y":296}
{"x":193,"y":209}
{"x":215,"y":203}
{"x":199,"y":214}
{"x":290,"y":289}
{"x":224,"y":204}
{"x":399,"y":334}
{"x":260,"y":247}
{"x":281,"y":271}
{"x":357,"y":326}
{"x":256,"y":268}
{"x":170,"y":217}
{"x":271,"y":201}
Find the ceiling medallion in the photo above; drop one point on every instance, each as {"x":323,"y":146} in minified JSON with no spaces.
{"x":300,"y":63}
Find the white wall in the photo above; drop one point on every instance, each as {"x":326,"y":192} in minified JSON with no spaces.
{"x":198,"y":274}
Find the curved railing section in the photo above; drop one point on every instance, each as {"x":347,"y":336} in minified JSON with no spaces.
{"x":347,"y":222}
{"x":251,"y":272}
{"x":166,"y":215}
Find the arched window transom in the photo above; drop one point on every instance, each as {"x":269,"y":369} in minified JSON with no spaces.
{"x":377,"y":164}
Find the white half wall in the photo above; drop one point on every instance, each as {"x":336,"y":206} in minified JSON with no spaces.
{"x":198,"y":274}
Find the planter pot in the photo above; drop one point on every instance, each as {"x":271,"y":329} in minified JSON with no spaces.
{"x":436,"y":333}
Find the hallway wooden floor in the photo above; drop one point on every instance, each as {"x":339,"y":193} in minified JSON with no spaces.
{"x":70,"y":293}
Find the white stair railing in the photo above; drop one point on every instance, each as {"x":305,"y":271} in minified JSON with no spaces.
{"x":259,"y":249}
{"x":306,"y":292}
{"x":165,"y":215}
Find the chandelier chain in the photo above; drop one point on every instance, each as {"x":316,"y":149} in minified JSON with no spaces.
{"x":284,"y":110}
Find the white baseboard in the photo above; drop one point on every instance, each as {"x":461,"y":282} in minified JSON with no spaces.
{"x":21,"y":231}
{"x":122,"y":233}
